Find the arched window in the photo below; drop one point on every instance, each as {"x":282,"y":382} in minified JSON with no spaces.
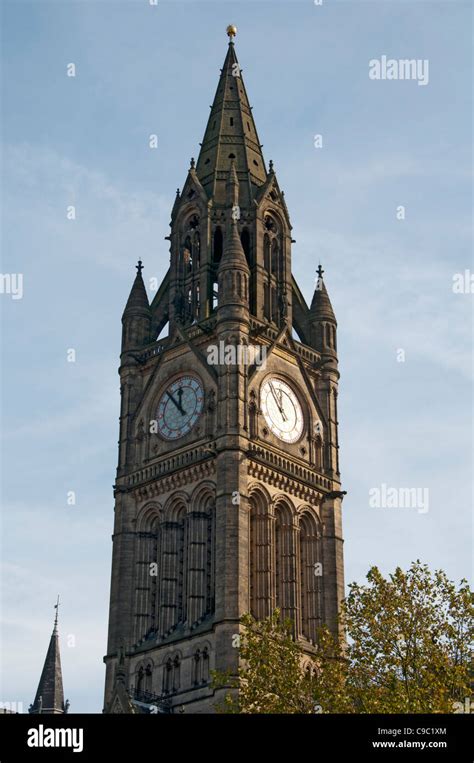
{"x":205,"y":665}
{"x":168,"y":676}
{"x":139,"y":679}
{"x":147,"y":577}
{"x":176,"y":673}
{"x":310,"y":577}
{"x":328,"y":335}
{"x":173,"y":593}
{"x":285,"y":557}
{"x":148,"y":677}
{"x":198,"y":302}
{"x":266,"y":253}
{"x":196,"y":668}
{"x":200,"y":667}
{"x":275,"y":257}
{"x":171,"y":674}
{"x":196,"y":250}
{"x":187,"y":256}
{"x":261,"y":590}
{"x":239,"y":284}
{"x":200,"y":585}
{"x":210,"y":560}
{"x":143,"y":681}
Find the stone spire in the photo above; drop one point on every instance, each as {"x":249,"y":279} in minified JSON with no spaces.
{"x":321,"y":304}
{"x":137,"y":302}
{"x":136,"y":318}
{"x":322,"y":320}
{"x":233,"y":273}
{"x":50,"y":696}
{"x":231,"y":135}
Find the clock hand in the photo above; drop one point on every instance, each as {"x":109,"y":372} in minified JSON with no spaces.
{"x":276,"y":401}
{"x":178,"y":405}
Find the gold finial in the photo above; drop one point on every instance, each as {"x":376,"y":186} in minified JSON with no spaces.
{"x":231,"y":31}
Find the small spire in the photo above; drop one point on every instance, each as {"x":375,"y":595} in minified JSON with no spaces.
{"x":321,"y":307}
{"x":232,"y":187}
{"x":192,"y":163}
{"x":49,"y":696}
{"x":270,"y":166}
{"x":177,"y":192}
{"x":231,"y":32}
{"x":56,"y":607}
{"x":138,"y":299}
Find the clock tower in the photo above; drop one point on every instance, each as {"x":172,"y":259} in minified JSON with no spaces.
{"x":228,"y":495}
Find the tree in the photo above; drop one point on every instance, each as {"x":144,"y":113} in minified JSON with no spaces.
{"x":408,"y":649}
{"x":410,"y":639}
{"x":270,"y":678}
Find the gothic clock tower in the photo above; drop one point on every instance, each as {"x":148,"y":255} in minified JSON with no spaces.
{"x":228,"y":494}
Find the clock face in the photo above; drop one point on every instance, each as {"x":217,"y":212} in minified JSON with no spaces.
{"x":282,"y":410}
{"x":179,"y":407}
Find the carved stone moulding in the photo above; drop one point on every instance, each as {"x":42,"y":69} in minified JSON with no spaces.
{"x":174,"y":481}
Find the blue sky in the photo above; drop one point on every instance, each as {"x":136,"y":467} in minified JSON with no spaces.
{"x":83,"y":141}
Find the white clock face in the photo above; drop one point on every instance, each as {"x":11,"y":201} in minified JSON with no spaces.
{"x":282,"y":410}
{"x":179,"y":407}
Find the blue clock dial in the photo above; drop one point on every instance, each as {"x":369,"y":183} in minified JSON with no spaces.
{"x":179,"y":407}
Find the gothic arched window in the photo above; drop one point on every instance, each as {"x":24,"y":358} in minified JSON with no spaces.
{"x":261,"y":593}
{"x":167,"y":676}
{"x":176,"y":673}
{"x":310,"y":577}
{"x":328,"y":335}
{"x":172,"y":674}
{"x":196,"y":250}
{"x":266,"y":253}
{"x":285,"y":567}
{"x":187,"y":256}
{"x":275,"y":257}
{"x":147,"y":577}
{"x":139,"y":679}
{"x":174,"y":558}
{"x":196,"y":668}
{"x":200,"y":667}
{"x":200,"y":565}
{"x":205,"y":666}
